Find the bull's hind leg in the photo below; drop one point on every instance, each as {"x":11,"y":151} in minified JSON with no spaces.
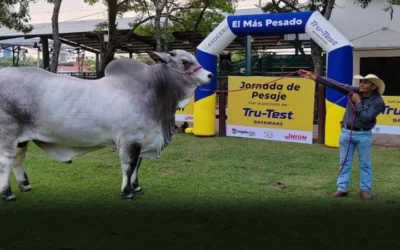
{"x":18,"y":169}
{"x":19,"y":173}
{"x":135,"y":180}
{"x":129,"y":156}
{"x":7,"y":157}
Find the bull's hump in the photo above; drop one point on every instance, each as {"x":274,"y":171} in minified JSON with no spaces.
{"x":124,"y":66}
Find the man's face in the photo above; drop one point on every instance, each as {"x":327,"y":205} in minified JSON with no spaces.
{"x":366,"y":86}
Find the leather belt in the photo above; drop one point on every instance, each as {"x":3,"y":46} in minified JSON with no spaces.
{"x":355,"y":128}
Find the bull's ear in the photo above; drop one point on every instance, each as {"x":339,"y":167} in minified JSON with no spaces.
{"x":159,"y":57}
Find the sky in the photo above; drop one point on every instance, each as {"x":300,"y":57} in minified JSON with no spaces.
{"x":41,"y":11}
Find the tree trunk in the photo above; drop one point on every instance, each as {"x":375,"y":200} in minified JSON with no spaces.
{"x":197,"y":24}
{"x":165,"y":39}
{"x":329,"y":8}
{"x":159,"y":6}
{"x":107,"y":55}
{"x":318,"y":60}
{"x":56,"y":37}
{"x":157,"y":29}
{"x":316,"y":54}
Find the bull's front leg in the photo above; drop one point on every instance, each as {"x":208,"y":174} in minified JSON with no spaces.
{"x":129,"y":156}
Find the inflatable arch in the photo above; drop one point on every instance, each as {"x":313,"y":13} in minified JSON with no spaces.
{"x":339,"y":65}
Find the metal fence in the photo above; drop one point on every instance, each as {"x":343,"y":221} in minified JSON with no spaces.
{"x":82,"y":75}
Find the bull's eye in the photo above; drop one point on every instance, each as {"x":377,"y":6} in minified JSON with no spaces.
{"x":185,"y":62}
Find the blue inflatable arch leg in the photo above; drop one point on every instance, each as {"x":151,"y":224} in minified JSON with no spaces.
{"x":339,"y":65}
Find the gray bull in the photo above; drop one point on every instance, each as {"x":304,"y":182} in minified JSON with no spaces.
{"x":131,"y":109}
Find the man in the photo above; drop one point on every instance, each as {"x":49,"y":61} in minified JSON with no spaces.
{"x":368,"y":104}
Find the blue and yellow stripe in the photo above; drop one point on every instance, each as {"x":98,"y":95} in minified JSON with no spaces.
{"x":339,"y":68}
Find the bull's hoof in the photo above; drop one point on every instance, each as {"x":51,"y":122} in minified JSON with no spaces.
{"x":138,"y":190}
{"x":128,"y":197}
{"x":26,"y":188}
{"x":67,"y":162}
{"x":9,"y":197}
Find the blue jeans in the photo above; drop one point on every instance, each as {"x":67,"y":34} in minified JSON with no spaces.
{"x":362,"y":141}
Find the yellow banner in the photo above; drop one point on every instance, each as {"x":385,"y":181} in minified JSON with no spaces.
{"x":391,"y":115}
{"x":185,"y":114}
{"x":388,"y":122}
{"x":283,"y":108}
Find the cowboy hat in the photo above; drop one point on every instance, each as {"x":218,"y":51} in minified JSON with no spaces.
{"x":379,"y":83}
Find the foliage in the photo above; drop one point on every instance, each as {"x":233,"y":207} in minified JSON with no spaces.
{"x":195,"y":15}
{"x":114,"y":8}
{"x":8,"y":62}
{"x":295,"y":5}
{"x":14,"y":14}
{"x":388,"y":7}
{"x":239,"y":56}
{"x":276,"y":6}
{"x":91,"y":65}
{"x":212,"y":16}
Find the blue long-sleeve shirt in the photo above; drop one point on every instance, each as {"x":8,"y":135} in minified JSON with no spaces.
{"x":366,"y":111}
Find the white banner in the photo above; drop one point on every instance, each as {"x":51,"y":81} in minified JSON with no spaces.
{"x":270,"y":134}
{"x":183,"y":118}
{"x":385,"y":129}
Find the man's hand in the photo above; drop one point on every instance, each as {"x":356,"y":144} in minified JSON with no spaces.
{"x":307,"y":74}
{"x":356,"y":98}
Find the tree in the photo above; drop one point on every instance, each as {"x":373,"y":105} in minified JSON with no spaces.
{"x":56,"y":37}
{"x":196,"y":16}
{"x":13,"y":18}
{"x":114,"y":8}
{"x":388,"y":7}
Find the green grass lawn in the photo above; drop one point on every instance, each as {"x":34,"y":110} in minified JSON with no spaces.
{"x":211,"y":193}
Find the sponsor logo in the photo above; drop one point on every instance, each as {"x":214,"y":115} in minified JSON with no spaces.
{"x":269,"y":134}
{"x":392,"y":111}
{"x":293,"y":137}
{"x":376,"y":129}
{"x":249,"y":133}
{"x":188,"y":118}
{"x":322,"y":33}
{"x":268,"y":113}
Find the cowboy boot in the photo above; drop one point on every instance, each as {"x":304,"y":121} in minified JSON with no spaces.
{"x":366,"y":195}
{"x":339,"y":194}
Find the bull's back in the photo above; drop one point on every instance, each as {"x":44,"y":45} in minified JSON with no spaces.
{"x":50,"y":107}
